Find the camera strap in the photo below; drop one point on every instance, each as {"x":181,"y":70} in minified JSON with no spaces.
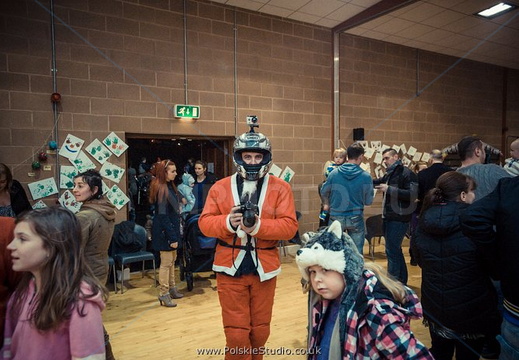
{"x":247,"y":247}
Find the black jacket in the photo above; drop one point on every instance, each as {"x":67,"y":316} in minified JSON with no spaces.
{"x":166,"y":222}
{"x":456,"y":291}
{"x":19,"y":201}
{"x":427,"y":180}
{"x":500,"y":247}
{"x":200,"y":190}
{"x":401,"y":194}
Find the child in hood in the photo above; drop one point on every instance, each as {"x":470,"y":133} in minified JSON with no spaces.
{"x":355,"y":310}
{"x":186,"y":189}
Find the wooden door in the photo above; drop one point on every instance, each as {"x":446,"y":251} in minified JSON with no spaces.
{"x":219,"y":157}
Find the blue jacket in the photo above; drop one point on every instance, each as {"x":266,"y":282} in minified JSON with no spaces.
{"x":186,"y":190}
{"x":347,"y":190}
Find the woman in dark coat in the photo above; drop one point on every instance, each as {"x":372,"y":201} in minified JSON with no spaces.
{"x":203,"y":182}
{"x":166,"y":228}
{"x":13,"y":200}
{"x":458,"y":298}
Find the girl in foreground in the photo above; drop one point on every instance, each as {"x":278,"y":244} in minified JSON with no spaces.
{"x":55,"y":312}
{"x":355,"y":310}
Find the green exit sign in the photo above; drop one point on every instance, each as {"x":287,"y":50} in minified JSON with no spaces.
{"x":187,"y":111}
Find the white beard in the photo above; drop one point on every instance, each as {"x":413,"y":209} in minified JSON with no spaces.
{"x":249,"y":188}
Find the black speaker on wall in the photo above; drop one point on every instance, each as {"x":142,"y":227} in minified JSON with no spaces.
{"x":358,"y":134}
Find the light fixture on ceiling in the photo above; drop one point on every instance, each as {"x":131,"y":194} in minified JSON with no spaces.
{"x":496,"y":10}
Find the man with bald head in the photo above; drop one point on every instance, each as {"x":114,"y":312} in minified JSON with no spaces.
{"x":512,"y":163}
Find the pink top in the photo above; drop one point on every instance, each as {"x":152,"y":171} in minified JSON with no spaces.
{"x":77,"y":338}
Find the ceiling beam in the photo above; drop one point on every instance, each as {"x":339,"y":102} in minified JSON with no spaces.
{"x":381,"y":8}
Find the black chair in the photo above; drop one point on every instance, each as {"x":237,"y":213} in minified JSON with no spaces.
{"x":374,"y":229}
{"x":295,"y":240}
{"x":138,"y":256}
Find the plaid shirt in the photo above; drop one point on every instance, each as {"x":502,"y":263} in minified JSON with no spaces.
{"x":376,"y":326}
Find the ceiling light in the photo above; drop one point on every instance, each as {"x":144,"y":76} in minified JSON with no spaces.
{"x":496,"y":10}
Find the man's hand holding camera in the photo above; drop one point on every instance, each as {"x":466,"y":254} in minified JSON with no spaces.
{"x":236,"y":219}
{"x":235,"y":216}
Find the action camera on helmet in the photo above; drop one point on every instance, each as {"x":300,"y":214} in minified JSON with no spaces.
{"x":252,"y":121}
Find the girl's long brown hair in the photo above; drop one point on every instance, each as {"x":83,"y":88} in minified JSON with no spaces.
{"x":159,"y":185}
{"x":61,"y":274}
{"x":448,"y":188}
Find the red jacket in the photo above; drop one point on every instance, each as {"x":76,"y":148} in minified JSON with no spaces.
{"x":277,"y":222}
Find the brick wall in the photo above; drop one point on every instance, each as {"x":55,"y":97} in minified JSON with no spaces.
{"x":452,"y":101}
{"x":121,"y":68}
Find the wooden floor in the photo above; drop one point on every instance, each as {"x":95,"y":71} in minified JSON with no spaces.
{"x":141,"y":329}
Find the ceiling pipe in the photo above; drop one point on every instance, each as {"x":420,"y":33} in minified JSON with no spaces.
{"x":235,"y":59}
{"x":336,"y":92}
{"x":379,"y":9}
{"x":504,"y":124}
{"x":185,"y":53}
{"x":54,"y":70}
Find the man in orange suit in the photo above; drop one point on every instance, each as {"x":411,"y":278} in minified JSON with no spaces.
{"x":249,"y":212}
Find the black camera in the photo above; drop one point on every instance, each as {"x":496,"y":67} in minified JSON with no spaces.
{"x":249,"y":211}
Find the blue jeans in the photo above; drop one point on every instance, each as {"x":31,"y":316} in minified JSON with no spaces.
{"x":394,"y":232}
{"x":354,"y":226}
{"x":509,"y":340}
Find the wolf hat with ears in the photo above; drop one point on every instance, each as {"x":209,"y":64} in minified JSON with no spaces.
{"x":333,"y":250}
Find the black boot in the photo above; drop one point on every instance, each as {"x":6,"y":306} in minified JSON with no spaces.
{"x":175,"y":294}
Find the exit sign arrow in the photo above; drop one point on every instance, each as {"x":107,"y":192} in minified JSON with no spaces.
{"x":187,"y":111}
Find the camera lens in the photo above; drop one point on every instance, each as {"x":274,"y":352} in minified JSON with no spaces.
{"x":249,"y":218}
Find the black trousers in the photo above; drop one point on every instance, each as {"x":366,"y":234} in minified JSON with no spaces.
{"x":443,"y":349}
